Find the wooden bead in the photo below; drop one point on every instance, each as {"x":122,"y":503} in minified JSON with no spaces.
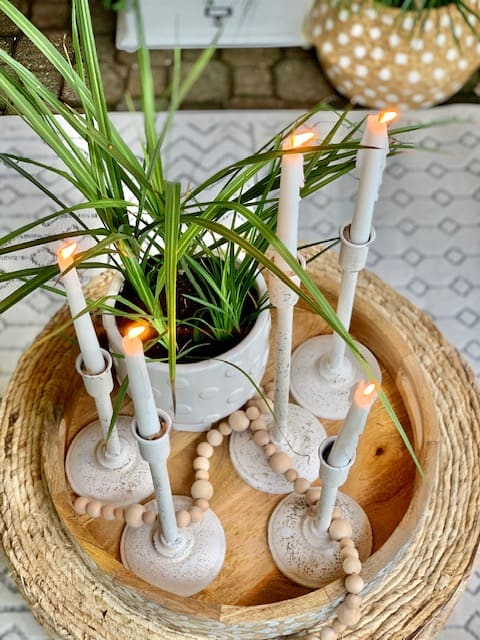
{"x":346,"y":542}
{"x":196,"y":514}
{"x":312,"y":496}
{"x":205,"y":450}
{"x":327,"y":633}
{"x":338,"y":626}
{"x":239,"y":421}
{"x":349,"y":552}
{"x":202,"y":474}
{"x":252,"y":413}
{"x":354,"y":583}
{"x":348,"y":616}
{"x":214,"y":437}
{"x":201,"y":463}
{"x":183,"y":518}
{"x":261,"y":438}
{"x":149,"y":517}
{"x":291,"y":475}
{"x":269,"y":449}
{"x":133,"y":515}
{"x":202,"y":504}
{"x":80,"y":505}
{"x":201,"y":489}
{"x":258,"y":424}
{"x":301,"y":485}
{"x":280,"y":462}
{"x":353,"y":601}
{"x":94,"y":508}
{"x":119,"y":514}
{"x":108,"y":511}
{"x":352,"y":565}
{"x":225,"y":429}
{"x":265,"y":406}
{"x":340,"y":529}
{"x":336,"y":513}
{"x":270,"y":394}
{"x":270,"y":386}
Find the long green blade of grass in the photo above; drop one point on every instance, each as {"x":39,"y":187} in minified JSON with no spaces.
{"x":172,"y":225}
{"x":43,"y":275}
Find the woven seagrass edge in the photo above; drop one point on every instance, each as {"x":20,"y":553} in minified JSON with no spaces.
{"x":412,"y":599}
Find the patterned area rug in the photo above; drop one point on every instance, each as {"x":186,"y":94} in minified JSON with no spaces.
{"x":427,"y":221}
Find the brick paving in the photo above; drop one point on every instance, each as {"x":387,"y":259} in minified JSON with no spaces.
{"x":253,"y":78}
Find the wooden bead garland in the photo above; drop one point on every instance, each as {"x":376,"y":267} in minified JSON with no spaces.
{"x":348,"y":613}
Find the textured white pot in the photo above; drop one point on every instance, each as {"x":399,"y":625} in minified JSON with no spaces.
{"x":208,"y":390}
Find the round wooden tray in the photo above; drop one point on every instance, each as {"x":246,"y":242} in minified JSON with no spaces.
{"x":426,"y":531}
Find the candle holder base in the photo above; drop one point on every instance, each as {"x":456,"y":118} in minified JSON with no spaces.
{"x":306,"y":556}
{"x":305,"y":435}
{"x":183,"y":569}
{"x":93,"y":474}
{"x":323,"y":392}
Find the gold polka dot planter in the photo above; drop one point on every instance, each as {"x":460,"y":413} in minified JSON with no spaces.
{"x":378,"y":56}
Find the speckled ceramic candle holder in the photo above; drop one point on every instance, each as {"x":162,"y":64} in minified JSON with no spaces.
{"x":323,"y":371}
{"x":182,"y":561}
{"x":300,"y":546}
{"x":94,"y":467}
{"x":294,"y":430}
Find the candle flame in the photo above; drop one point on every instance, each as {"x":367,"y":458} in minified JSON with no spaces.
{"x":68,"y":250}
{"x":298,"y":139}
{"x":369,"y":389}
{"x":135,"y":332}
{"x":385,"y":117}
{"x":365,"y":394}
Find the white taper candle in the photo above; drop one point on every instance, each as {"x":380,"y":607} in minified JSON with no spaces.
{"x":370,"y":163}
{"x":139,"y":383}
{"x":346,"y":442}
{"x":87,"y":338}
{"x":291,"y":180}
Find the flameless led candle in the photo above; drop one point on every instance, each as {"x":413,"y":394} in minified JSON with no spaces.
{"x":139,"y":383}
{"x":291,"y":180}
{"x":371,"y":163}
{"x":346,"y":442}
{"x":87,"y":338}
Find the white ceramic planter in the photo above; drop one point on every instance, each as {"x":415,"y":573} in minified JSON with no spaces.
{"x":208,"y":390}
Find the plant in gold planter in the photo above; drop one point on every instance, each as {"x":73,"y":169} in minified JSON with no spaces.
{"x":397,"y":52}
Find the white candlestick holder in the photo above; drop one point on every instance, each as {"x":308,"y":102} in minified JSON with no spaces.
{"x":107,"y":469}
{"x":298,"y":535}
{"x":323,"y":371}
{"x":294,"y":430}
{"x":183,"y":561}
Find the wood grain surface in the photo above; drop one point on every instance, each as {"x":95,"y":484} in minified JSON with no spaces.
{"x":381,"y":480}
